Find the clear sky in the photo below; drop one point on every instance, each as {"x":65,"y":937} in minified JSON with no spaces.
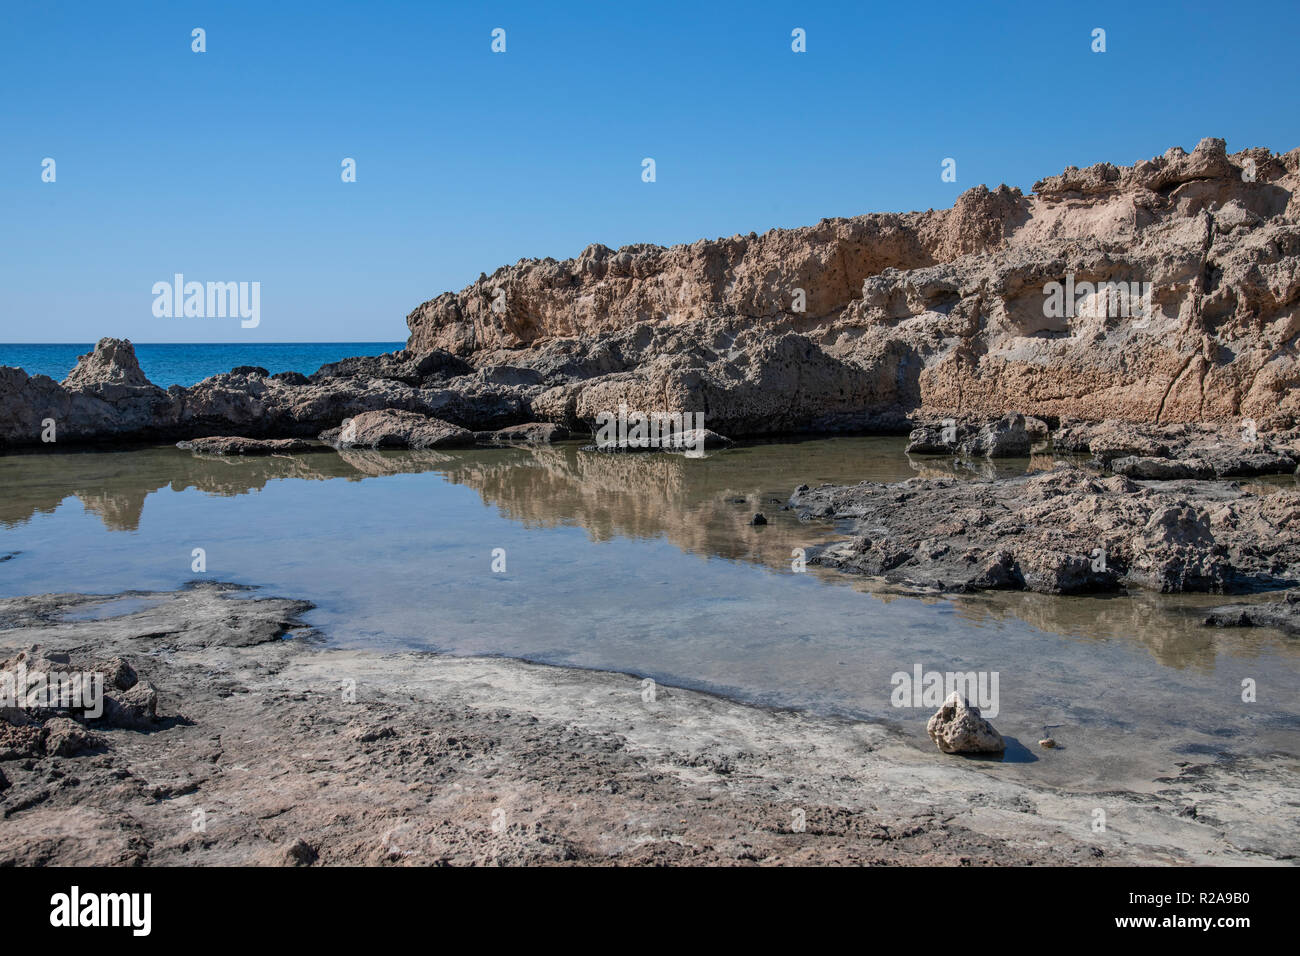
{"x":225,"y":165}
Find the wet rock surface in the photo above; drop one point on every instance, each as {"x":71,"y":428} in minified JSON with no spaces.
{"x":958,"y":728}
{"x":1171,"y":452}
{"x":1283,"y":615}
{"x":233,"y":445}
{"x":1063,"y":531}
{"x":281,"y":752}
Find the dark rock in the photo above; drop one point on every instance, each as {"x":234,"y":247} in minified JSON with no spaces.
{"x":1161,"y":469}
{"x":230,"y":445}
{"x":1006,"y":437}
{"x":64,"y":737}
{"x":410,"y":368}
{"x":291,"y":378}
{"x":1064,"y":531}
{"x":1283,"y":615}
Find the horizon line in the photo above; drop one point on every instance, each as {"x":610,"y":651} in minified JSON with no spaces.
{"x":251,"y":344}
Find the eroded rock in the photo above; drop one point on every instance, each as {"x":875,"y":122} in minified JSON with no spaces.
{"x":1282,"y":614}
{"x":231,"y":445}
{"x":394,"y":428}
{"x":1063,"y":531}
{"x":958,"y":728}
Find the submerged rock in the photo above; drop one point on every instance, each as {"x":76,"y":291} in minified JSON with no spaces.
{"x":1283,"y":615}
{"x":230,"y":445}
{"x":958,"y":728}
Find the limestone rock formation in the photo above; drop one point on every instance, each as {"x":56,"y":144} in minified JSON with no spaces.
{"x":958,"y":728}
{"x":106,"y":397}
{"x":1160,"y":293}
{"x":862,"y":322}
{"x":394,"y":428}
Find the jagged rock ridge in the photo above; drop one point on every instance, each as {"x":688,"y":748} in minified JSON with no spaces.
{"x":929,"y":313}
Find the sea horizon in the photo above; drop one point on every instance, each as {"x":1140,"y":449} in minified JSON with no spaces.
{"x":188,"y":363}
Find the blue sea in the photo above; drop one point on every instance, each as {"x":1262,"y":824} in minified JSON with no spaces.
{"x":185,"y":364}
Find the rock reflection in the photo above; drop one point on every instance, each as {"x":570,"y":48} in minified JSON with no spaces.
{"x":702,"y":506}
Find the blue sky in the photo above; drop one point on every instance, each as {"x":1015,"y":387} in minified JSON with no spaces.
{"x":225,"y":165}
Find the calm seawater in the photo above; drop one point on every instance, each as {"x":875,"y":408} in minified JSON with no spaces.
{"x":185,"y":364}
{"x":648,"y":565}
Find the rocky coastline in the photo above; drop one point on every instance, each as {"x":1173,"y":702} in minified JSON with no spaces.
{"x":875,"y":323}
{"x":1162,"y":444}
{"x":231,"y":735}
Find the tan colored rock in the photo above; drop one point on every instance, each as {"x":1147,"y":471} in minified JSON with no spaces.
{"x":932,"y":313}
{"x":394,"y":428}
{"x":958,"y":728}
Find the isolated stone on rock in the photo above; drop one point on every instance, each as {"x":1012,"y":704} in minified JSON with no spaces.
{"x":958,"y":728}
{"x":394,"y":428}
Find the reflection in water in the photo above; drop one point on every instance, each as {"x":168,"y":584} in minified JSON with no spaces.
{"x":645,"y":563}
{"x":703,"y":507}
